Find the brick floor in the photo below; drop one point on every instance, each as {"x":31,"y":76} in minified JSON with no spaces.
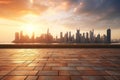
{"x":60,"y":64}
{"x":14,"y":78}
{"x":47,"y":73}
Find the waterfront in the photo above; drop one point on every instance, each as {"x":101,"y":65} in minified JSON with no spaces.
{"x":60,"y":64}
{"x":58,"y":45}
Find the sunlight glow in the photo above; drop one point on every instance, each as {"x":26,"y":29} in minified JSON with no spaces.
{"x":31,"y":1}
{"x":31,"y":17}
{"x":28,"y":29}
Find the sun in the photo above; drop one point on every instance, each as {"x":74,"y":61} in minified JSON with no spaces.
{"x":31,"y":1}
{"x":28,"y":29}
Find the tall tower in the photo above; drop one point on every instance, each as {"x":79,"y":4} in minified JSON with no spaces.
{"x":109,"y":35}
{"x":33,"y":37}
{"x":70,"y":36}
{"x":17,"y":36}
{"x":61,"y":36}
{"x":92,"y":36}
{"x":48,"y":31}
{"x":21,"y":35}
{"x":78,"y":36}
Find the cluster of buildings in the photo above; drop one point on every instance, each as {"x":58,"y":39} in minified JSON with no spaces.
{"x":88,"y":37}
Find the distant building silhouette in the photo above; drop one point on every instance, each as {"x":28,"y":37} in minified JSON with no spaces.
{"x":68,"y":37}
{"x":78,"y":36}
{"x":17,"y":36}
{"x":92,"y":36}
{"x":87,"y":38}
{"x":33,"y":37}
{"x":21,"y":35}
{"x":61,"y":37}
{"x":109,"y":35}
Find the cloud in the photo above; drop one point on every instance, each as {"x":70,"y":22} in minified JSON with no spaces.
{"x":16,"y":8}
{"x":99,"y":9}
{"x":87,"y":9}
{"x":104,"y":9}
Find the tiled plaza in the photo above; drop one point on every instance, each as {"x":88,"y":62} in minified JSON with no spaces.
{"x":60,"y":64}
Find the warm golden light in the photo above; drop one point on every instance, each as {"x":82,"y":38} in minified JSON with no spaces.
{"x":31,"y":1}
{"x":28,"y":29}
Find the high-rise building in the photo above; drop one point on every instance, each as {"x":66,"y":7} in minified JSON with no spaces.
{"x":48,"y":31}
{"x":21,"y":35}
{"x":66,"y":37}
{"x":17,"y":36}
{"x":61,"y":37}
{"x":92,"y":36}
{"x":69,"y":39}
{"x":109,"y":35}
{"x":33,"y":37}
{"x":69,"y":35}
{"x":104,"y":39}
{"x":83,"y":38}
{"x":98,"y":38}
{"x":78,"y":36}
{"x":87,"y":38}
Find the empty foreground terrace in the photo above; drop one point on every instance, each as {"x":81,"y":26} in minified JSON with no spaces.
{"x":60,"y":64}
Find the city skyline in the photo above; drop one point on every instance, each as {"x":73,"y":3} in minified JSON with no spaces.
{"x":60,"y":15}
{"x":68,"y":37}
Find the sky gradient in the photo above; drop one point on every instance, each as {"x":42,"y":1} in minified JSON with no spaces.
{"x":58,"y":15}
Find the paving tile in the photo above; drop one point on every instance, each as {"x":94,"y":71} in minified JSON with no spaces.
{"x":93,"y":73}
{"x":4,"y":72}
{"x":31,"y":78}
{"x":54,"y":78}
{"x":110,"y":78}
{"x":22,"y":73}
{"x":93,"y":78}
{"x":47,"y":73}
{"x":76,"y":78}
{"x":116,"y":77}
{"x":84,"y":68}
{"x":63,"y":68}
{"x":14,"y":78}
{"x":47,"y":68}
{"x":1,"y":77}
{"x":36,"y":64}
{"x":6,"y":68}
{"x":72,"y":72}
{"x":113,"y":73}
{"x":38,"y":68}
{"x":24,"y":68}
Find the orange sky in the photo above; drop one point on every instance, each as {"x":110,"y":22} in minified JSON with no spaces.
{"x":60,"y":15}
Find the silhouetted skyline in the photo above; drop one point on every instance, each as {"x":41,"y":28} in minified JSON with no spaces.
{"x":68,"y":37}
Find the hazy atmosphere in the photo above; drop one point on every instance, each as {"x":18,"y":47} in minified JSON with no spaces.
{"x":58,"y":15}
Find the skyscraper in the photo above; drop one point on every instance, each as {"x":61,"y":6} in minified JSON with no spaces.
{"x":109,"y":35}
{"x":17,"y":36}
{"x":69,"y":39}
{"x":78,"y":36}
{"x":98,"y":38}
{"x":33,"y":37}
{"x":21,"y":35}
{"x":92,"y":36}
{"x":61,"y":37}
{"x":87,"y":38}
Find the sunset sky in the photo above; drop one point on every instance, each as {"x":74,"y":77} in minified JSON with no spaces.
{"x":58,"y":15}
